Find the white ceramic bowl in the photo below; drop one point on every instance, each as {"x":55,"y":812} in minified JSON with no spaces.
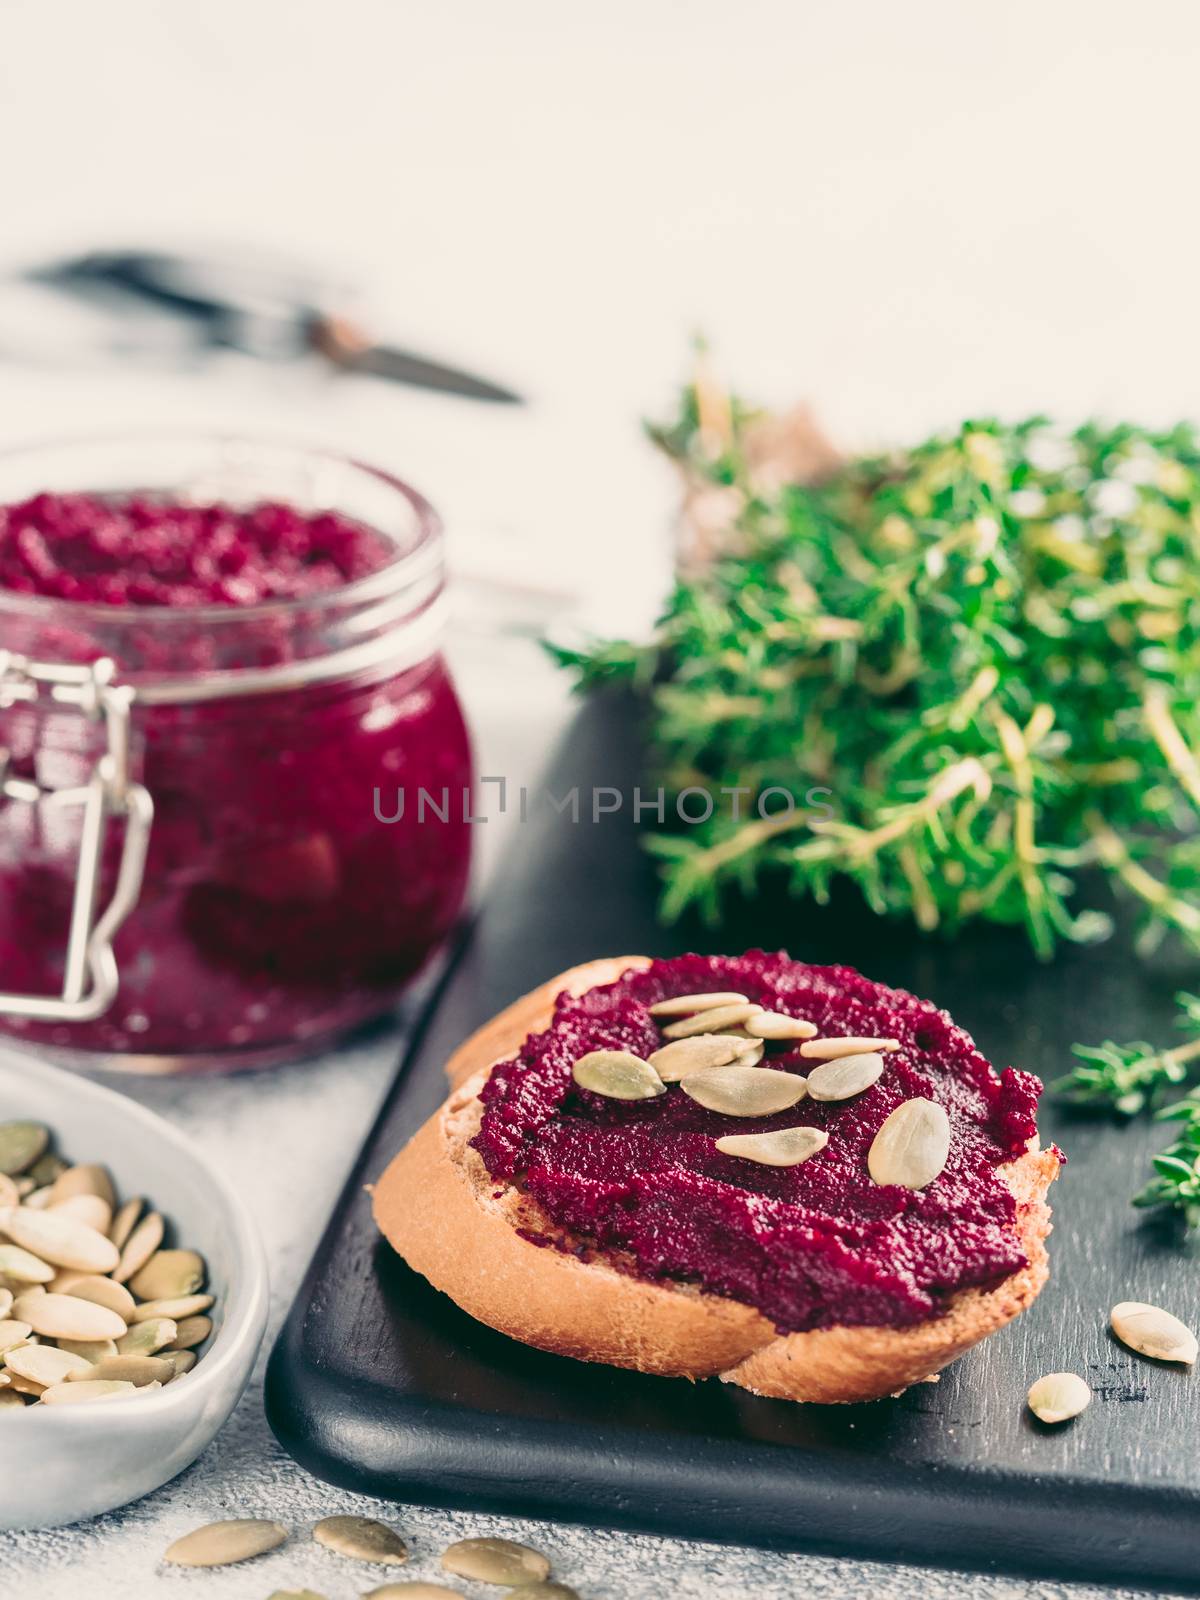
{"x":60,"y":1464}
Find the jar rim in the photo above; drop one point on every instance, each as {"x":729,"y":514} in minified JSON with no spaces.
{"x":410,"y":565}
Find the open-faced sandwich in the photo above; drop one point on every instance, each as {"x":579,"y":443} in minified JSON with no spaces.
{"x":783,"y":1175}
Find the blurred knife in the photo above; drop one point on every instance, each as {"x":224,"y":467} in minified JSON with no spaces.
{"x":269,"y":311}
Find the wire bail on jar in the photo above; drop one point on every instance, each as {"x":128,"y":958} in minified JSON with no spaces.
{"x":90,"y":977}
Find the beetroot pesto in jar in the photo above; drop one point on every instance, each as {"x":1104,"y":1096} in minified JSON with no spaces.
{"x":267,"y":625}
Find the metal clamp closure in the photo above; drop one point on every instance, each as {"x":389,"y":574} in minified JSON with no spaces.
{"x":109,"y":798}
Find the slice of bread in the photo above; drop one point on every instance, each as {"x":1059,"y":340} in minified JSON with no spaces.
{"x":474,"y":1237}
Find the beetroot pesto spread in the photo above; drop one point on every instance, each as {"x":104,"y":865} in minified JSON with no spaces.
{"x":812,"y":1245}
{"x":276,"y":908}
{"x":143,"y":551}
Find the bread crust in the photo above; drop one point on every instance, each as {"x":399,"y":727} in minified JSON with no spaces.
{"x":468,"y":1233}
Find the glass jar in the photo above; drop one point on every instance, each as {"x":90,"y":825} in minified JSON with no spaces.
{"x":202,"y":858}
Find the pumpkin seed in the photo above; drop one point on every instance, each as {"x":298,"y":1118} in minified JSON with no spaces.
{"x":361,"y":1538}
{"x":47,"y":1170}
{"x":912,"y":1146}
{"x":102,"y":1292}
{"x":740,"y":1091}
{"x":618,"y":1075}
{"x":139,"y":1247}
{"x":60,"y":1239}
{"x":13,"y":1333}
{"x":714,"y":1021}
{"x":27,"y":1386}
{"x":138,"y":1370}
{"x":295,"y":1594}
{"x":90,"y":1178}
{"x":744,"y":1092}
{"x":221,"y":1544}
{"x":181,"y":1361}
{"x":673,"y":1061}
{"x":42,"y":1363}
{"x":547,"y":1591}
{"x":775,"y":1025}
{"x":495,"y":1561}
{"x":1153,"y":1332}
{"x":10,"y":1195}
{"x":38,"y":1199}
{"x":190,"y":1332}
{"x":6,"y":1301}
{"x":831,"y":1049}
{"x":124,"y":1221}
{"x":187,"y":1306}
{"x":61,"y":1316}
{"x":688,"y":1005}
{"x":21,"y":1143}
{"x":414,"y":1591}
{"x":1058,"y":1397}
{"x":92,"y":1350}
{"x":88,"y":1208}
{"x":787,"y":1147}
{"x":168,"y":1275}
{"x":21,"y":1266}
{"x":147,"y":1338}
{"x":80,"y":1393}
{"x":845,"y":1076}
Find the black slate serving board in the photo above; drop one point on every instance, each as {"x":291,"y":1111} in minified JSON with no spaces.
{"x":379,"y":1383}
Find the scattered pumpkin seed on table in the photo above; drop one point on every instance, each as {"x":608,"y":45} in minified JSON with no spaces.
{"x":361,"y":1538}
{"x":413,"y":1589}
{"x":499,"y":1561}
{"x":1058,"y":1397}
{"x":1153,"y":1332}
{"x":222,"y":1544}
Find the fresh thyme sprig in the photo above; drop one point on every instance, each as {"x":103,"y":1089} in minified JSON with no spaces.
{"x":985,"y":649}
{"x":1176,"y":1183}
{"x":1128,"y":1078}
